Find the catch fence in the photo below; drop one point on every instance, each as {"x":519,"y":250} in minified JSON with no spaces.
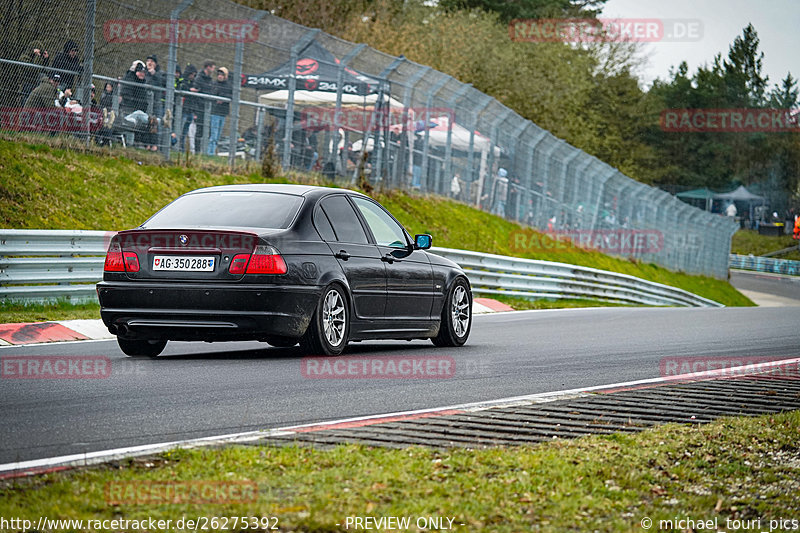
{"x":315,"y":102}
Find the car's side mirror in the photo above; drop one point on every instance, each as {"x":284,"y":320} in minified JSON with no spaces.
{"x":422,"y":241}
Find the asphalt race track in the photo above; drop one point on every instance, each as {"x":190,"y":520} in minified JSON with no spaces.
{"x":197,"y":389}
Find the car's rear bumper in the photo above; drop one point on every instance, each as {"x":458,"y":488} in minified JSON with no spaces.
{"x":213,"y":311}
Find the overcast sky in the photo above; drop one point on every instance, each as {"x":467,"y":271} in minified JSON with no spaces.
{"x":776,"y":22}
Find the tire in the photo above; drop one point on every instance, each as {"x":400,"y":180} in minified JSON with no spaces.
{"x":141,"y":348}
{"x":330,"y":325}
{"x":281,"y":342}
{"x":456,"y":316}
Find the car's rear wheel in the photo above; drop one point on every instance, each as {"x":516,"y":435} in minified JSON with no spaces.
{"x":456,"y":316}
{"x":330,"y":326}
{"x":141,"y":348}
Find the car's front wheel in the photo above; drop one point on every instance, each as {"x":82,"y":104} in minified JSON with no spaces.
{"x":141,"y":348}
{"x":456,"y":316}
{"x":330,"y":325}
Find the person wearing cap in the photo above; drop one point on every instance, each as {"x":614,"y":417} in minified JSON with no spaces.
{"x":68,"y":60}
{"x":35,"y":54}
{"x":46,"y":94}
{"x":133,"y":102}
{"x":219,"y":108}
{"x":157,"y":78}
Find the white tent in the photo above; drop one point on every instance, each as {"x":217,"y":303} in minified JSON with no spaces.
{"x":321,"y":98}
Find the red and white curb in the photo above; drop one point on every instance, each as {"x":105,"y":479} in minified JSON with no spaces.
{"x":58,"y":331}
{"x":53,"y":464}
{"x":81,"y":330}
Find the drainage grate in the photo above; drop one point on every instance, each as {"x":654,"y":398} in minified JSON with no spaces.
{"x":598,"y":413}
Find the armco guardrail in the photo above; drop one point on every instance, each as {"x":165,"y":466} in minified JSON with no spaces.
{"x":512,"y":276}
{"x":765,"y":264}
{"x":42,"y":265}
{"x":39,"y":265}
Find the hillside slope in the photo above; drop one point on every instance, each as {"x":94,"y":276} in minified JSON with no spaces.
{"x":42,"y":187}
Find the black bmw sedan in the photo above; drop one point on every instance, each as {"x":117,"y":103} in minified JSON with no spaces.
{"x":283,"y":264}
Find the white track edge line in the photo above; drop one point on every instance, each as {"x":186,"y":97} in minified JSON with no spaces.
{"x":90,"y":458}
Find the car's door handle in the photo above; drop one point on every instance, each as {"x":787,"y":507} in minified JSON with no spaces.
{"x":343,"y":255}
{"x":388,"y":258}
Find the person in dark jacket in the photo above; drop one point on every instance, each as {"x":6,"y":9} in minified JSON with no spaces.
{"x":157,"y":78}
{"x":219,"y":108}
{"x":191,"y":106}
{"x":203,"y":83}
{"x":34,"y":54}
{"x":46,"y":94}
{"x":133,"y":104}
{"x":68,"y":60}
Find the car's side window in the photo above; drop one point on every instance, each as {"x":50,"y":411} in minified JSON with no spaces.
{"x":344,"y":220}
{"x":323,"y":226}
{"x":386,"y":230}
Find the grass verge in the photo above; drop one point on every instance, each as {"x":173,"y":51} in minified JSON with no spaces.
{"x":748,"y":241}
{"x":46,"y":187}
{"x":734,"y":468}
{"x":62,"y":310}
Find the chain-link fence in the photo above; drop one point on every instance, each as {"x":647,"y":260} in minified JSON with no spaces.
{"x":217,"y":79}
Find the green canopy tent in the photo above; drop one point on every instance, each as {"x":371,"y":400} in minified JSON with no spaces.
{"x":699,"y":194}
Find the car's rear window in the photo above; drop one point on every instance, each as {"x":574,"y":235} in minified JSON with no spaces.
{"x":238,"y":209}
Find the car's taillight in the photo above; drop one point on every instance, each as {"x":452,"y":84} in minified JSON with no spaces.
{"x":114,"y":261}
{"x":131,"y":261}
{"x":266,"y":260}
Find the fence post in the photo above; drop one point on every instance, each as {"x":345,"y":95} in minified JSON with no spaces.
{"x":471,"y":157}
{"x":233,"y":127}
{"x":405,"y":138}
{"x":297,"y":48}
{"x":334,"y":155}
{"x":172,"y":59}
{"x":88,"y":67}
{"x":384,"y":132}
{"x":451,"y":116}
{"x":426,"y":144}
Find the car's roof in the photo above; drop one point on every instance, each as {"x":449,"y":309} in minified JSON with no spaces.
{"x":285,"y":188}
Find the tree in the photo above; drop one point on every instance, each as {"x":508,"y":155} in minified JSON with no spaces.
{"x":529,"y":9}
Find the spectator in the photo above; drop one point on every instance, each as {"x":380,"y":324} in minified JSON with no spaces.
{"x":133,"y":104}
{"x":500,"y":192}
{"x":46,"y":94}
{"x":29,"y":76}
{"x":157,"y":78}
{"x":107,"y":109}
{"x":203,"y":84}
{"x":455,"y":187}
{"x":68,"y":60}
{"x":107,"y":97}
{"x":219,"y":109}
{"x":191,"y":108}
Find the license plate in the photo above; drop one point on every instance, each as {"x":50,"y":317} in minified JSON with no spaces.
{"x":178,"y":263}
